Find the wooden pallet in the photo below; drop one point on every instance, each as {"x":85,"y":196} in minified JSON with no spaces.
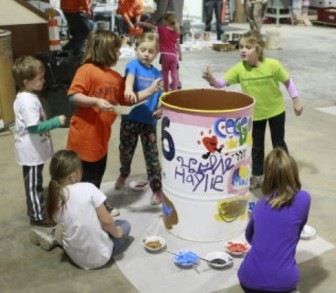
{"x":223,"y":47}
{"x":318,"y":22}
{"x":303,"y":21}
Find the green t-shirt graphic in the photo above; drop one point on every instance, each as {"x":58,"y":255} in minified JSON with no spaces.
{"x":261,"y":83}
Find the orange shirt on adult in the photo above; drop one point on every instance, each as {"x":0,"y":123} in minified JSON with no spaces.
{"x":74,"y":6}
{"x":130,"y":8}
{"x":90,"y":128}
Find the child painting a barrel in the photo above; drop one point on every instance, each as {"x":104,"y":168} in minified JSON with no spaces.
{"x":206,"y":159}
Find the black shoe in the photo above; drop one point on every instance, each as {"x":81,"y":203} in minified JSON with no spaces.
{"x":43,"y":223}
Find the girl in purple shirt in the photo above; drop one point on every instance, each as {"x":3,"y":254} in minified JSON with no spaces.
{"x":274,"y":228}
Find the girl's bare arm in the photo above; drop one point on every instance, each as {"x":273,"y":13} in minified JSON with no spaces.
{"x":107,"y":222}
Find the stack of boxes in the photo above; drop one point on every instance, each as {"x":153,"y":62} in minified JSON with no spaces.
{"x":326,"y":10}
{"x":323,"y":3}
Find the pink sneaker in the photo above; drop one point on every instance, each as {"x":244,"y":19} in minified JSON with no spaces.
{"x":120,"y":183}
{"x":157,"y":198}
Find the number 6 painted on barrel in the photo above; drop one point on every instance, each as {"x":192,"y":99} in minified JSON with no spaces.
{"x":170,"y":153}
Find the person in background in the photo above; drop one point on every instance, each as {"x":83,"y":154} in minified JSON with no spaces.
{"x":274,"y":229}
{"x":142,"y":120}
{"x":170,"y":49}
{"x":78,"y":14}
{"x":89,"y":234}
{"x":211,"y":6}
{"x":164,"y":6}
{"x":255,"y":10}
{"x":260,"y":77}
{"x":129,"y":14}
{"x":33,"y":144}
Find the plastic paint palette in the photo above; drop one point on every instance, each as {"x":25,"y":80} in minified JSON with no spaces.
{"x":219,"y":259}
{"x":186,"y":259}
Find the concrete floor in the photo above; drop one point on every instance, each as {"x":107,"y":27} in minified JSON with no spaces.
{"x":309,"y":54}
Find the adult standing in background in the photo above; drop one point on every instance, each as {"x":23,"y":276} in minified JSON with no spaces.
{"x":209,"y":7}
{"x":163,"y":6}
{"x":78,"y":14}
{"x":254,"y":12}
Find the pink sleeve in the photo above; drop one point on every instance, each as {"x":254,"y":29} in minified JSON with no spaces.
{"x":292,"y":89}
{"x":219,"y":83}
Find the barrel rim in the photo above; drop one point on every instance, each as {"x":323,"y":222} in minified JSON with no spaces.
{"x":5,"y":33}
{"x":168,"y":105}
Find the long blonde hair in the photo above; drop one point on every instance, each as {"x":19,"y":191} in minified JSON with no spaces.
{"x":281,"y":180}
{"x":170,"y":19}
{"x":102,"y":48}
{"x":62,"y":165}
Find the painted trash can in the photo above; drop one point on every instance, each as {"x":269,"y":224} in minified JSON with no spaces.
{"x":206,"y":163}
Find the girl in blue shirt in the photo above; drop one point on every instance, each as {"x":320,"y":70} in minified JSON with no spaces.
{"x":141,"y":121}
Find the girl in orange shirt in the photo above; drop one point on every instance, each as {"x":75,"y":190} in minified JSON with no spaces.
{"x":94,"y":90}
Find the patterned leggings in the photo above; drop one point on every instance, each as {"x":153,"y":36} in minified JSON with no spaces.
{"x":129,"y":134}
{"x":169,"y":64}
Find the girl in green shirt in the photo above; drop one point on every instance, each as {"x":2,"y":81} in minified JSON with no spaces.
{"x":260,"y":78}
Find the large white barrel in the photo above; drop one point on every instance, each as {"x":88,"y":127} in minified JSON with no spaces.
{"x":7,"y":86}
{"x":206,"y":163}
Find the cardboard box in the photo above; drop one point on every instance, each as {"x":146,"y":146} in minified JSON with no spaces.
{"x":223,"y":47}
{"x":327,"y":15}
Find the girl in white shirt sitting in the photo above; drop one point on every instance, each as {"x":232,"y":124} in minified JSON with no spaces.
{"x":90,"y":235}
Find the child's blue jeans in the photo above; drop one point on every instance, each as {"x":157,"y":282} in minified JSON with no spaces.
{"x":119,"y":242}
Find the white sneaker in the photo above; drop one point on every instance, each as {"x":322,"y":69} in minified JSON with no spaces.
{"x":45,"y":240}
{"x":114,"y":212}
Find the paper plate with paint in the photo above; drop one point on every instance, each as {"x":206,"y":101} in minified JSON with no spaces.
{"x":125,"y":109}
{"x":122,"y":110}
{"x":219,"y":259}
{"x":308,"y":232}
{"x":186,"y":259}
{"x":138,"y":185}
{"x":154,"y":243}
{"x":237,"y":248}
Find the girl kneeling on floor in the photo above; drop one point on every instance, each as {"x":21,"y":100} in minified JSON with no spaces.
{"x":90,"y":235}
{"x":274,"y":229}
